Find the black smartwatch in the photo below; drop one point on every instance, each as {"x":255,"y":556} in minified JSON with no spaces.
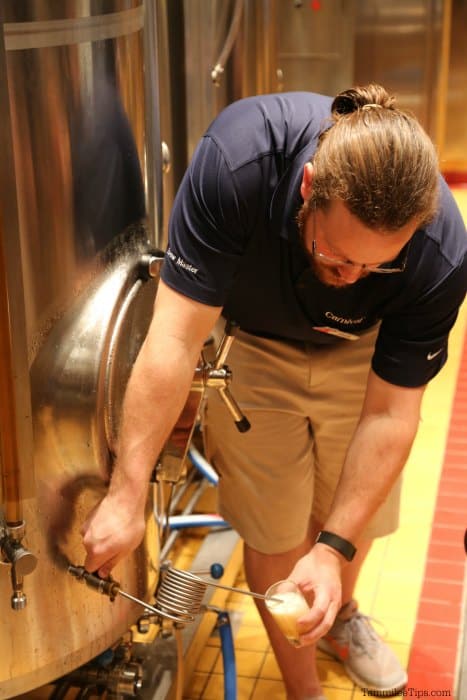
{"x":341,"y":545}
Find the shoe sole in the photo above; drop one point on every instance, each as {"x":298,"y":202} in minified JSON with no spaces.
{"x":323,"y":645}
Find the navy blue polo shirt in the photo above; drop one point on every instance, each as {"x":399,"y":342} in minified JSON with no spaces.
{"x":234,"y":243}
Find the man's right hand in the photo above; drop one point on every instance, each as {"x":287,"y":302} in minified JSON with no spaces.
{"x":110,"y":533}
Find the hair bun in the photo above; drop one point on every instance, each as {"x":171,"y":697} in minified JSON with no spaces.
{"x":368,"y":97}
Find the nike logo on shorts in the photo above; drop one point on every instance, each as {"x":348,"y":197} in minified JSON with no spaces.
{"x":432,"y":355}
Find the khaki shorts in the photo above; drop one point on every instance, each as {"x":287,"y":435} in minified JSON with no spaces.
{"x":303,"y":402}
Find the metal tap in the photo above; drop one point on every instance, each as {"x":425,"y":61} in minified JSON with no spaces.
{"x":22,"y":561}
{"x":106,"y":586}
{"x":109,"y":587}
{"x":218,"y":375}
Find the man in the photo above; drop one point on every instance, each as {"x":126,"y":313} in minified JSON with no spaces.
{"x":324,"y":230}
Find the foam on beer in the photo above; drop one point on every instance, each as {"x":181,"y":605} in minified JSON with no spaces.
{"x":286,"y":608}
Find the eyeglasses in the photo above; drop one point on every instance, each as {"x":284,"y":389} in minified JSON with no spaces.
{"x":382,"y":269}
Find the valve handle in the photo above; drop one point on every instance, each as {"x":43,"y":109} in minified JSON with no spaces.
{"x":220,"y":373}
{"x":106,"y":586}
{"x":21,"y":558}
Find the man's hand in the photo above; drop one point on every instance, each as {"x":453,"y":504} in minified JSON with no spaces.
{"x":318,"y":575}
{"x":111,"y":532}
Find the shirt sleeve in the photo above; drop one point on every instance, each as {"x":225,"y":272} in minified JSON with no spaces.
{"x":208,"y":229}
{"x":412,"y":345}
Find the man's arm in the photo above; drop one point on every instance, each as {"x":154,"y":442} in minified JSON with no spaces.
{"x":376,"y":455}
{"x":155,"y":395}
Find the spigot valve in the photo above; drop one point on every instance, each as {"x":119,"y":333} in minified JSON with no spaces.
{"x":219,"y":377}
{"x":106,"y":586}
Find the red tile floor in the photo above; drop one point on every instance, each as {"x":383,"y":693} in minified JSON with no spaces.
{"x":435,"y":643}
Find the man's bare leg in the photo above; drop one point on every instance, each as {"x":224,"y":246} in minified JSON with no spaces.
{"x":298,"y":666}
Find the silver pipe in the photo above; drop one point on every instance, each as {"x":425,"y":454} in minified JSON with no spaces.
{"x":229,"y":42}
{"x":187,"y":511}
{"x":153,"y":137}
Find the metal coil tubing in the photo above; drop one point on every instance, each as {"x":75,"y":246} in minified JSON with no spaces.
{"x":180,"y":594}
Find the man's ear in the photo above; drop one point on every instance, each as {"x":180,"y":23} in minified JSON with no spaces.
{"x":306,"y":187}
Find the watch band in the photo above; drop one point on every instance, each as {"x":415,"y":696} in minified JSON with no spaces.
{"x":341,"y":545}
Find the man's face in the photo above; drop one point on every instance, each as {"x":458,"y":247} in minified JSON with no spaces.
{"x":342,"y":250}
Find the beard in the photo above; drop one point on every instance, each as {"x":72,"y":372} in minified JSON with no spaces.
{"x":327,"y":274}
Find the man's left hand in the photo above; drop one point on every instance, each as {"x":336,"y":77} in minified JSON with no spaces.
{"x":318,"y":575}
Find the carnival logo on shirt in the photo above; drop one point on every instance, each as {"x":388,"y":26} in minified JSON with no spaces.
{"x":344,"y":321}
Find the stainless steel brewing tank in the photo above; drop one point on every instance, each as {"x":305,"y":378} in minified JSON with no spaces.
{"x":75,"y":240}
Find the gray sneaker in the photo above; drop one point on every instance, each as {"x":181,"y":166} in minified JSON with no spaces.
{"x":368,"y":661}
